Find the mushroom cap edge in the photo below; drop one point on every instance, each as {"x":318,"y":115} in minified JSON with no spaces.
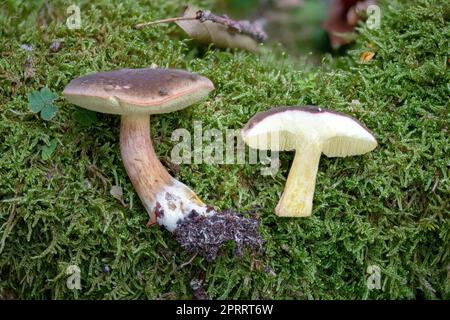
{"x":138,"y":91}
{"x":286,"y":128}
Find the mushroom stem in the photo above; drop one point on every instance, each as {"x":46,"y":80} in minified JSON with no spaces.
{"x":196,"y":226}
{"x":298,"y":193}
{"x":166,"y":200}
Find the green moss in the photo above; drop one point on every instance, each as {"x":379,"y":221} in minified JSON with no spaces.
{"x":388,"y":208}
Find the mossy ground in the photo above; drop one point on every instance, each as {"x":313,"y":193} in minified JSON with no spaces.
{"x":388,"y":208}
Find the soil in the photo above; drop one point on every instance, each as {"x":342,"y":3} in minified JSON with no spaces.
{"x":205,"y":235}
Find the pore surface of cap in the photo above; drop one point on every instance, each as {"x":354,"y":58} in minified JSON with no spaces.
{"x":138,"y":91}
{"x":286,"y":128}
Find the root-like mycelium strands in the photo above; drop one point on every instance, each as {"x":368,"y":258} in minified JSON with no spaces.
{"x":197,"y":227}
{"x":205,"y":235}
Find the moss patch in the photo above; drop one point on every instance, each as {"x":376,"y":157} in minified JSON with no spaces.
{"x":388,"y":208}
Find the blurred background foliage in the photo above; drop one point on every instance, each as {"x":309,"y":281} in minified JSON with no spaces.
{"x":295,"y":24}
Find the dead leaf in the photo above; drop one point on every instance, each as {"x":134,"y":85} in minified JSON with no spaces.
{"x":352,"y":17}
{"x":366,"y":56}
{"x":117,"y":193}
{"x":28,"y":68}
{"x":343,"y":17}
{"x":218,"y":34}
{"x":205,"y":27}
{"x":337,"y":22}
{"x":55,"y":46}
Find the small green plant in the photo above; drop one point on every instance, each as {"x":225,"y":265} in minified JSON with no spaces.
{"x":48,"y":149}
{"x":42,"y":101}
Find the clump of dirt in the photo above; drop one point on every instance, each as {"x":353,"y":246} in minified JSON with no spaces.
{"x":205,"y":235}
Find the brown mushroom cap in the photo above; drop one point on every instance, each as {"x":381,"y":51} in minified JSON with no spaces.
{"x":138,"y":91}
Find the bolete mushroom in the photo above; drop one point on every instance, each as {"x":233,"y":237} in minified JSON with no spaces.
{"x":310,"y":131}
{"x":135,"y":94}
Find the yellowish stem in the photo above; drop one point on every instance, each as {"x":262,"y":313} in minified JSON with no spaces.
{"x":297,"y":198}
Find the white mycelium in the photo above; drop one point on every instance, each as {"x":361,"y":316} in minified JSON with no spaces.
{"x":176,"y":202}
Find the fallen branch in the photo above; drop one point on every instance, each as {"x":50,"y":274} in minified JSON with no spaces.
{"x":252,"y":29}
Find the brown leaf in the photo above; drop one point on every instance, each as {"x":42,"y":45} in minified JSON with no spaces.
{"x":343,"y":17}
{"x":218,"y":34}
{"x":28,"y":68}
{"x":55,"y":46}
{"x":366,"y":56}
{"x":337,"y":22}
{"x":116,"y":192}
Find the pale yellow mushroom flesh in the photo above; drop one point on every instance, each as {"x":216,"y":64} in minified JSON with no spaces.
{"x":309,"y":131}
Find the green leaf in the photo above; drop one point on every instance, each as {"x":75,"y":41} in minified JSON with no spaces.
{"x":35,"y":102}
{"x":48,"y":112}
{"x":48,"y":150}
{"x":47,"y":95}
{"x":85,"y":117}
{"x":42,"y":101}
